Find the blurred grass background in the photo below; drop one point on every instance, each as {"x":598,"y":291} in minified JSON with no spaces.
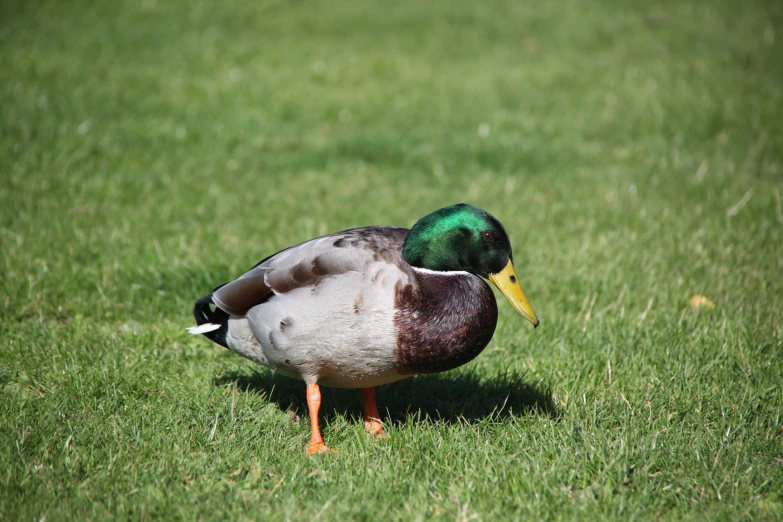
{"x":150,"y":150}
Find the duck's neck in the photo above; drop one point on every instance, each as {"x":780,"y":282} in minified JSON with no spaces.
{"x":424,"y":250}
{"x":443,"y":321}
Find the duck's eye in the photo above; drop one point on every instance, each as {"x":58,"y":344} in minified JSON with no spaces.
{"x":487,"y":236}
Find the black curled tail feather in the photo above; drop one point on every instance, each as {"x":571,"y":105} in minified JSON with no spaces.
{"x":204,"y":314}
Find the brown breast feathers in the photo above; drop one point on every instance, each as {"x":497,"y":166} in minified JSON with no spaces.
{"x":443,"y":322}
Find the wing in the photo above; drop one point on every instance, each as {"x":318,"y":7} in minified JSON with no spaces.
{"x":311,"y":262}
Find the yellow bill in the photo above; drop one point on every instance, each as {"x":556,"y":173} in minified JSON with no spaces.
{"x":507,"y":282}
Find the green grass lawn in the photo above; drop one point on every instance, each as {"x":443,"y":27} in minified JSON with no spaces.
{"x":150,"y":150}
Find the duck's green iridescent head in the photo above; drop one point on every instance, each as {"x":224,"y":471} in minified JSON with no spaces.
{"x":459,"y":237}
{"x":467,"y":238}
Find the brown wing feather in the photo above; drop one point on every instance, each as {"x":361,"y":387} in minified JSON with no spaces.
{"x":240,"y":295}
{"x":311,"y":262}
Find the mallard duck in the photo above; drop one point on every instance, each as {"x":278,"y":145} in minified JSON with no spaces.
{"x":369,"y":306}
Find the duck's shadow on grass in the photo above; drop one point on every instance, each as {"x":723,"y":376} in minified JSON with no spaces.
{"x":445,"y":397}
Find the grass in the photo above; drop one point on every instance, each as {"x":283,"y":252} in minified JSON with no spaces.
{"x":151,"y":150}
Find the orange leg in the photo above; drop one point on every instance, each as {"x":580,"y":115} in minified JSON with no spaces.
{"x":372,"y":419}
{"x":314,"y":404}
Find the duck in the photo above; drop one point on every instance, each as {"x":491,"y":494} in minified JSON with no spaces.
{"x":369,"y":306}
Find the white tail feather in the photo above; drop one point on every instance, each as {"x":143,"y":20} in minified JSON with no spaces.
{"x":203,"y":328}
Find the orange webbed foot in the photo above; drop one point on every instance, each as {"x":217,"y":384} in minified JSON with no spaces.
{"x":374,"y":427}
{"x":319,"y":447}
{"x":372,"y":419}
